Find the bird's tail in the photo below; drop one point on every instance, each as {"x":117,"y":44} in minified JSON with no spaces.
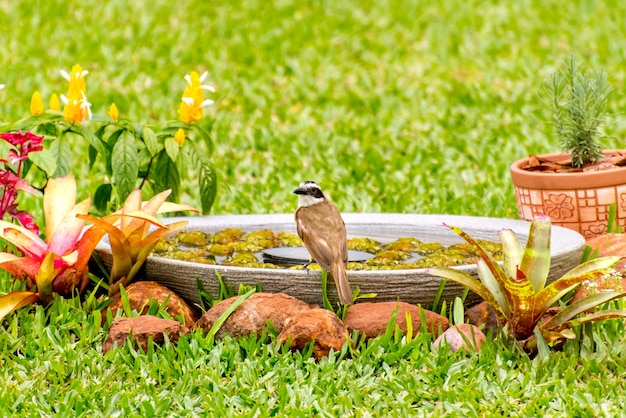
{"x":340,"y":275}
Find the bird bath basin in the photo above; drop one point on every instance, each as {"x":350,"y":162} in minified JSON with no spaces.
{"x":408,"y":285}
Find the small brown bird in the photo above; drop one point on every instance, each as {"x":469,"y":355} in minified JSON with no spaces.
{"x":323,"y":232}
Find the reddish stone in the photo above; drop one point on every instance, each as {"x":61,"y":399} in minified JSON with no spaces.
{"x":371,"y":319}
{"x":611,"y":244}
{"x":463,"y":336}
{"x":142,"y":294}
{"x":143,"y":328}
{"x":319,"y":325}
{"x":483,"y":316}
{"x":252,"y":316}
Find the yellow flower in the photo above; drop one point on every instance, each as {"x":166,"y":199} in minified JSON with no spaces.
{"x":36,"y":104}
{"x":76,"y":108}
{"x":180,"y":136}
{"x":113,"y":112}
{"x":192,"y":103}
{"x":55,"y":104}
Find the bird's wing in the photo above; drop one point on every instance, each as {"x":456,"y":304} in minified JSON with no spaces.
{"x":337,"y":231}
{"x":315,"y":244}
{"x":316,"y":238}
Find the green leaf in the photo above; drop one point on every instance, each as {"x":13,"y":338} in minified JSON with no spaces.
{"x":112,"y":136}
{"x":536,"y":260}
{"x":203,"y":136}
{"x":93,"y":155}
{"x":44,"y":160}
{"x":171,"y":147}
{"x":94,"y":141}
{"x":224,"y":316}
{"x":150,"y":139}
{"x":578,"y":307}
{"x":458,"y":311}
{"x":207,"y":178}
{"x":542,"y":345}
{"x":207,"y":183}
{"x":125,"y":165}
{"x":102,"y":197}
{"x":61,"y":153}
{"x":165,"y":176}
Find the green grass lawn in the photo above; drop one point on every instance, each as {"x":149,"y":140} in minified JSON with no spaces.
{"x":400,"y":106}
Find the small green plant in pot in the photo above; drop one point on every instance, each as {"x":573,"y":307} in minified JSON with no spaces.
{"x":577,"y":187}
{"x":579,"y":100}
{"x":518,"y":293}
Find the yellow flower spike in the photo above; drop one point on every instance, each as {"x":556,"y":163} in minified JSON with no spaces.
{"x":180,"y":136}
{"x":36,"y":104}
{"x":77,"y":108}
{"x":193,"y":103}
{"x":113,"y":112}
{"x":55,"y":103}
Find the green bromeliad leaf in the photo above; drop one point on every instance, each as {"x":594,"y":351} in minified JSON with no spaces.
{"x":470,"y":282}
{"x":512,"y":250}
{"x":590,"y":270}
{"x":565,"y":317}
{"x":486,"y":277}
{"x":593,"y":265}
{"x":536,"y":260}
{"x":495,"y":268}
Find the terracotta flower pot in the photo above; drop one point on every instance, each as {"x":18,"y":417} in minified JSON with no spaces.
{"x":579,"y":201}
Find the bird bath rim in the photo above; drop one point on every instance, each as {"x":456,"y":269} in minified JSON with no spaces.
{"x":409,"y":285}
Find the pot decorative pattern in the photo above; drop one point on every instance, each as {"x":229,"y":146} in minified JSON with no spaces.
{"x":578,"y":201}
{"x":585,"y":211}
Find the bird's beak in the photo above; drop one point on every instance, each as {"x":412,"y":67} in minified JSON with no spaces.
{"x":299,"y":190}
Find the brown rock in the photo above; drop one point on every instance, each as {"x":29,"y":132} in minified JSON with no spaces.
{"x":483,"y":316}
{"x":371,"y":319}
{"x":611,"y":244}
{"x":141,"y":294}
{"x":319,"y":325}
{"x":143,"y":328}
{"x":251,"y":316}
{"x":463,"y":336}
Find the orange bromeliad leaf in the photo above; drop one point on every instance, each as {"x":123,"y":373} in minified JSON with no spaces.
{"x":16,"y":300}
{"x":522,"y":318}
{"x":45,"y":276}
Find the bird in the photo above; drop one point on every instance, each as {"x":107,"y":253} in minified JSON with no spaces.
{"x":321,"y":228}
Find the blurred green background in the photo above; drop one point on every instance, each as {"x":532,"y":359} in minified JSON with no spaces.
{"x":396,"y":106}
